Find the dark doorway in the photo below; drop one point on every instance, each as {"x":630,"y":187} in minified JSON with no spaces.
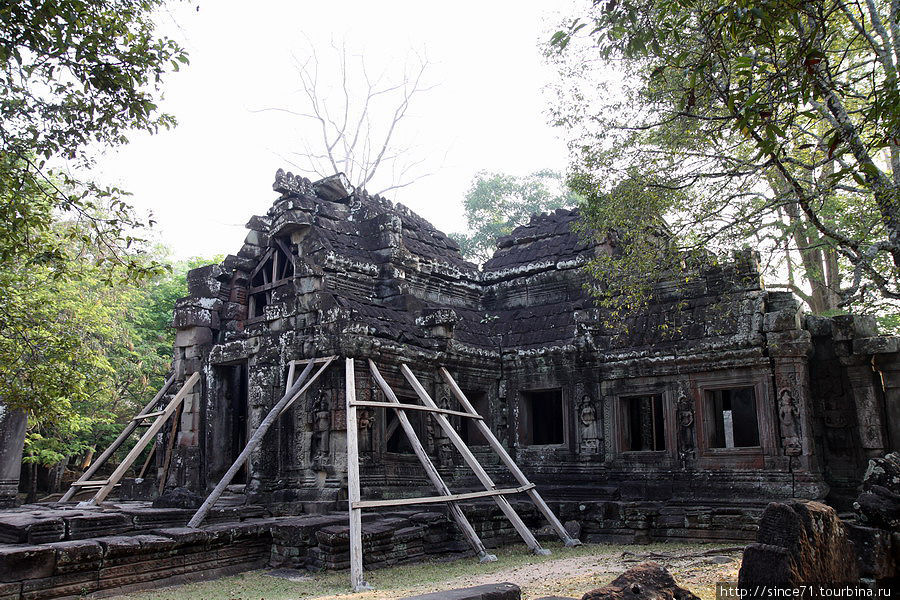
{"x":233,"y":415}
{"x":643,"y":423}
{"x":544,"y":416}
{"x":468,"y":429}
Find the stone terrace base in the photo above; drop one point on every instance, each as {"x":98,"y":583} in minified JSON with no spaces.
{"x":58,"y":551}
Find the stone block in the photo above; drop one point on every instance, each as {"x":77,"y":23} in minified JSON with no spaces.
{"x":193,"y":336}
{"x":238,"y":263}
{"x":257,"y":223}
{"x":18,"y":563}
{"x":115,"y":546}
{"x":213,"y":304}
{"x":882,"y":344}
{"x":257,"y":238}
{"x":96,"y":524}
{"x":849,"y":327}
{"x":22,"y":528}
{"x":782,"y":320}
{"x":234,"y":310}
{"x":798,"y":542}
{"x":817,"y":326}
{"x":77,"y":555}
{"x":68,"y":585}
{"x":184,"y":536}
{"x":192,"y":316}
{"x":250,"y":251}
{"x":205,"y":282}
{"x":11,"y":591}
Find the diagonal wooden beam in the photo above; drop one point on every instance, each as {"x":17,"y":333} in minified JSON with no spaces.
{"x":129,"y":429}
{"x":132,"y":456}
{"x":473,"y":463}
{"x":436,"y":480}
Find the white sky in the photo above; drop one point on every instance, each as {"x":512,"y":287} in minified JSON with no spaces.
{"x":204,"y":179}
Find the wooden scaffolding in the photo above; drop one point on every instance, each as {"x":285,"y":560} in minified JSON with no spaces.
{"x":170,"y":412}
{"x":356,"y":504}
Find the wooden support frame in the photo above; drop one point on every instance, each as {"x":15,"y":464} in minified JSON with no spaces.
{"x":473,"y":463}
{"x":295,"y":391}
{"x":355,"y":504}
{"x":419,"y":407}
{"x":497,"y":447}
{"x":132,"y":456}
{"x":436,"y":480}
{"x":129,"y":429}
{"x":449,"y":498}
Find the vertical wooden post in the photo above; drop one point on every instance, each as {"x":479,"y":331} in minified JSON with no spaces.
{"x":498,"y":448}
{"x":473,"y":463}
{"x":436,"y":480}
{"x":357,"y":583}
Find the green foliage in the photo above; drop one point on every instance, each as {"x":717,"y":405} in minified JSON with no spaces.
{"x":76,"y":74}
{"x":778,"y":119}
{"x":497,"y":203}
{"x":81,"y":356}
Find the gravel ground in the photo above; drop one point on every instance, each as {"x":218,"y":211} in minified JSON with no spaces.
{"x":567,"y":572}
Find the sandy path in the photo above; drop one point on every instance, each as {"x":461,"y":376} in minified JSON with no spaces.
{"x":574,"y":576}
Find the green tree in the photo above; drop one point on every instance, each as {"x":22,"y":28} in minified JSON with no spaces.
{"x":497,"y":203}
{"x":76,"y":74}
{"x":773,"y":124}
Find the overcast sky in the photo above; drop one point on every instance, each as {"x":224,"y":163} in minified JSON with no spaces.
{"x":204,"y":179}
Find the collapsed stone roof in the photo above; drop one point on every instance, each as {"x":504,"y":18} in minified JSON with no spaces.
{"x":376,"y":272}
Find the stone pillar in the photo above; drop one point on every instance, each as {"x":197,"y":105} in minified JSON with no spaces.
{"x":889,"y":365}
{"x":12,"y":441}
{"x":789,"y":348}
{"x":869,"y":415}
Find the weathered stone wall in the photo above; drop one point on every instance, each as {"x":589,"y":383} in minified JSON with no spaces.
{"x":333,"y":271}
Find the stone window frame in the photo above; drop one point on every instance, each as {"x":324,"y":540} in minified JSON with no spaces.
{"x":617,"y":416}
{"x":382,"y":417}
{"x":282,"y":249}
{"x":751,"y":456}
{"x":523,"y":433}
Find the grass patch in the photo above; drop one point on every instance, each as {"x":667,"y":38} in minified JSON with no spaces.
{"x":567,"y":571}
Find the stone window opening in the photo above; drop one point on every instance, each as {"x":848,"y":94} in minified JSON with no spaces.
{"x":732,"y":420}
{"x":643,"y":423}
{"x":275,"y":269}
{"x":468,"y":429}
{"x":395,"y":439}
{"x":544,"y":417}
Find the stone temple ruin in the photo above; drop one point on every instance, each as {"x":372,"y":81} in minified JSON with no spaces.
{"x":711,"y":403}
{"x":683,"y":423}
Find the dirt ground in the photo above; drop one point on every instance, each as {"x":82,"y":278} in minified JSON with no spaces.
{"x":567,"y":572}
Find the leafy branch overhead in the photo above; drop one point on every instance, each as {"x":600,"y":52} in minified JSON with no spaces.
{"x":76,"y":75}
{"x":771,"y":123}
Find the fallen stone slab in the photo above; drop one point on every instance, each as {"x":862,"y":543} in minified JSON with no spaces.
{"x":647,"y":580}
{"x":491,"y":591}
